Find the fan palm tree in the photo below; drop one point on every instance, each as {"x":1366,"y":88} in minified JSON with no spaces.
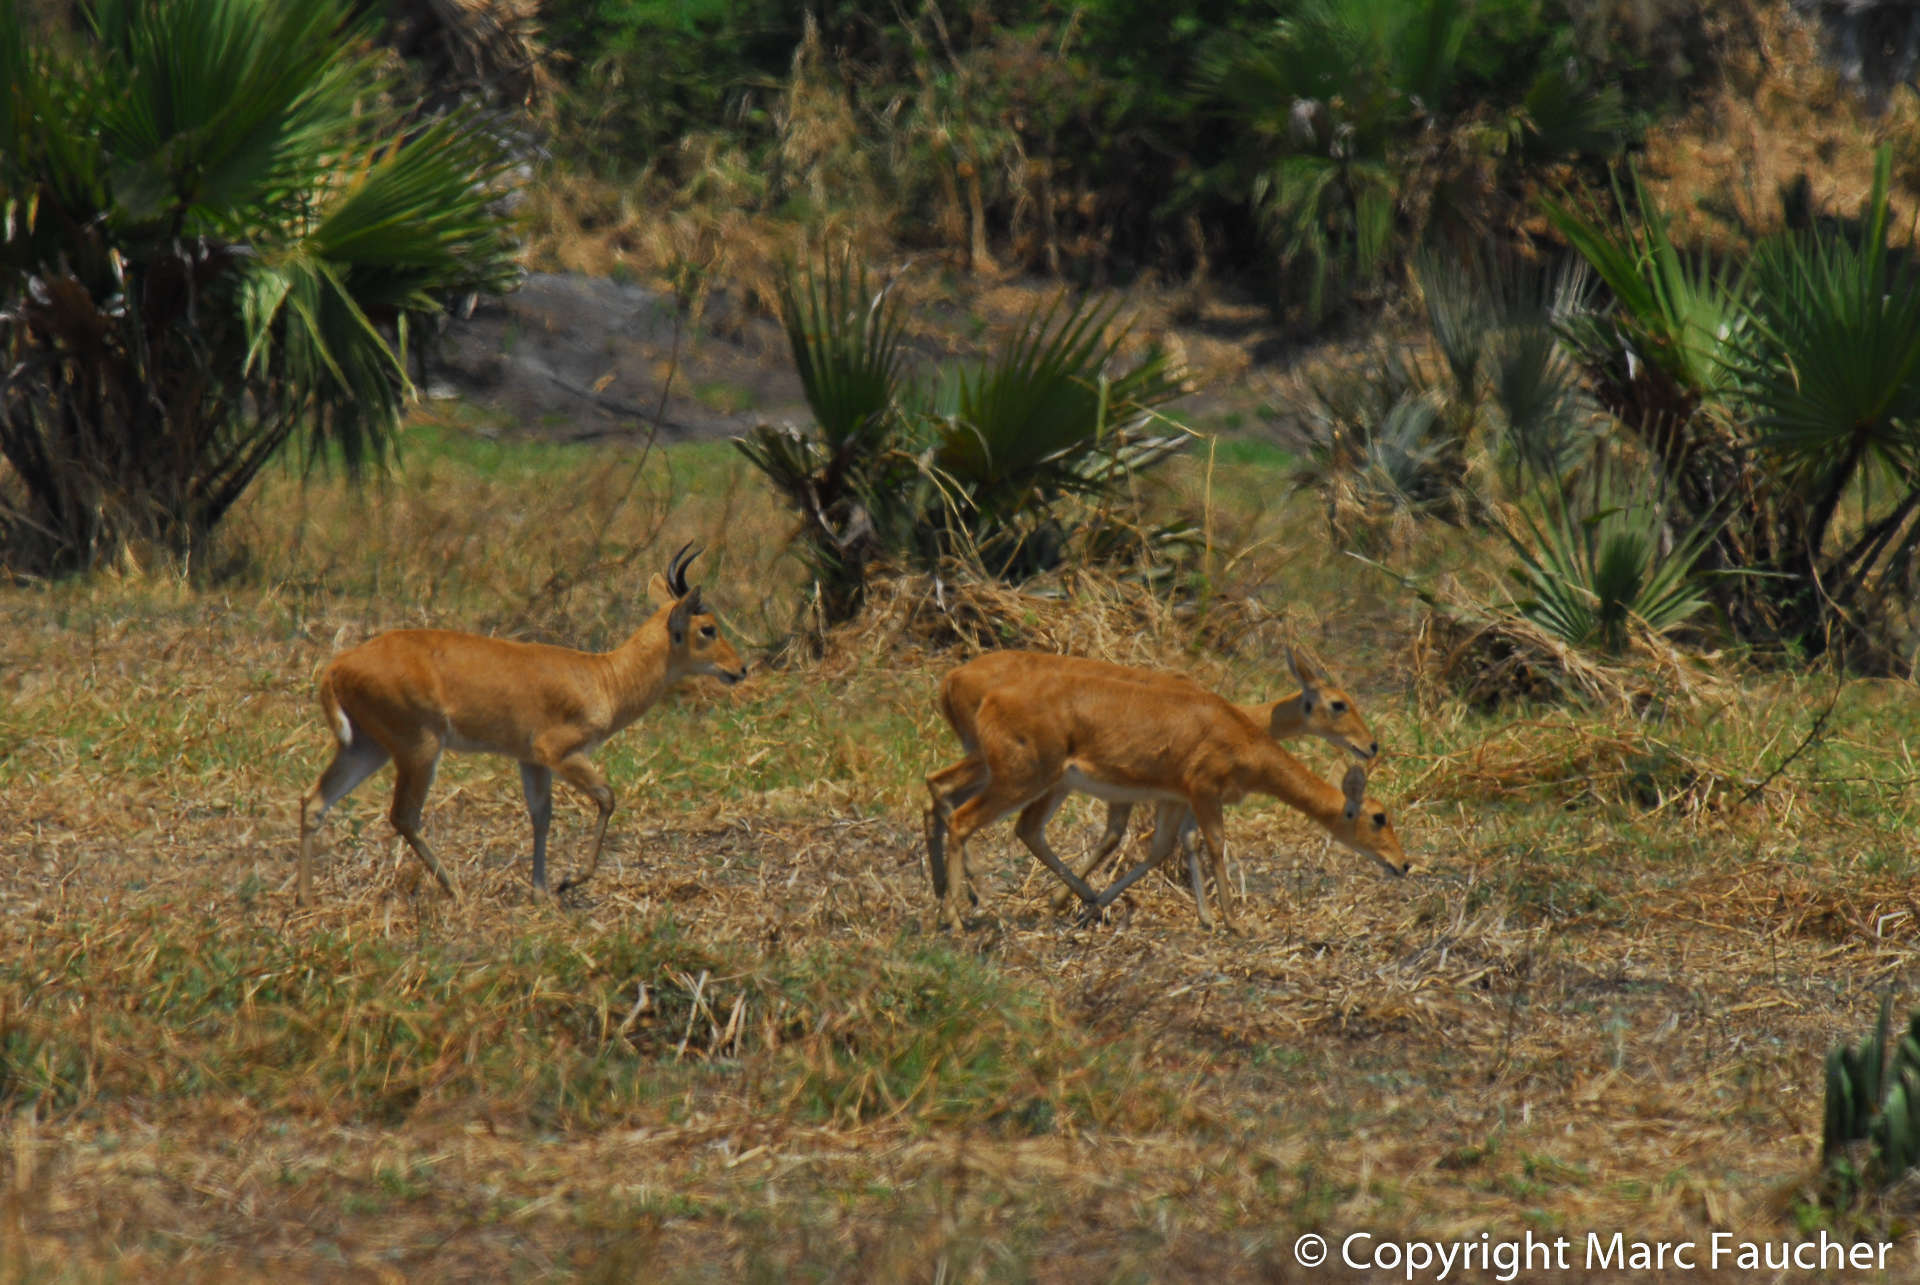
{"x":217,"y":236}
{"x":1587,"y":578}
{"x":1785,"y":395}
{"x":1830,"y":373}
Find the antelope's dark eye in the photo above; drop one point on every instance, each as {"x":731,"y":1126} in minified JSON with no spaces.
{"x":1379,"y":818}
{"x":1339,"y":707}
{"x":708,"y":631}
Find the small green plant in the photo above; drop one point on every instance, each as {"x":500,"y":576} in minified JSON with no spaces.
{"x":1379,"y":445}
{"x":1588,"y":578}
{"x":1495,"y":392}
{"x":1511,"y":382}
{"x":1874,"y":1100}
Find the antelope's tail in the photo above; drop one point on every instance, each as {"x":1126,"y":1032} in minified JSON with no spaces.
{"x":336,"y":716}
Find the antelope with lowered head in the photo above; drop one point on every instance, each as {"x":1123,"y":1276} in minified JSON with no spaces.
{"x":1318,"y":709}
{"x":411,"y":694}
{"x":1130,"y":741}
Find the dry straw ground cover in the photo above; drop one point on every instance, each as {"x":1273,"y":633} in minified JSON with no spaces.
{"x":744,"y":1052}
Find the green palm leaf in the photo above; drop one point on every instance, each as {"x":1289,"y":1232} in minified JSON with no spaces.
{"x":1032,"y":420}
{"x":1833,"y":366}
{"x":1677,"y":313}
{"x":1586,"y":579}
{"x":845,"y":340}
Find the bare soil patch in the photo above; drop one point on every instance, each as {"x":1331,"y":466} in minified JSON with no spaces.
{"x":575,"y":358}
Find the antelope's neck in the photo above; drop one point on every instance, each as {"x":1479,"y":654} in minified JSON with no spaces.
{"x":1283,"y":717}
{"x":637,"y":671}
{"x":1274,"y":771}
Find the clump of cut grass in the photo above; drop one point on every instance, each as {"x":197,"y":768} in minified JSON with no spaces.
{"x":1075,"y":611}
{"x":1495,"y":660}
{"x":1562,"y":762}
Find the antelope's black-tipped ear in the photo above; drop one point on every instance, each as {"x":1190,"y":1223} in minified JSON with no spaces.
{"x":1354,"y":786}
{"x":677,"y":621}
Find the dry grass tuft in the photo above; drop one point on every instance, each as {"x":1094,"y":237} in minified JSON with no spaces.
{"x":1496,"y":659}
{"x":1565,"y":761}
{"x":1077,"y":611}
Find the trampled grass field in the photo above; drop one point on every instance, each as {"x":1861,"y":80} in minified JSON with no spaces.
{"x":745,"y":1052}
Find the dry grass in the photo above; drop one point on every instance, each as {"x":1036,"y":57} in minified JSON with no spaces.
{"x":744,"y":1051}
{"x":1782,"y":113}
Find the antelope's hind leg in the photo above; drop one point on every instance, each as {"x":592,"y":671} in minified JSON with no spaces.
{"x":972,"y":777}
{"x":413,"y":770}
{"x":978,"y":812}
{"x":352,"y":764}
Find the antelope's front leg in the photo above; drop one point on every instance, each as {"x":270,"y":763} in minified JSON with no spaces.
{"x":536,"y":783}
{"x":584,"y":775}
{"x":1032,"y":829}
{"x":1213,"y":831}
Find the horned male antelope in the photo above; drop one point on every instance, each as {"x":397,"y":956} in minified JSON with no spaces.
{"x":410,"y":694}
{"x":1136,"y":742}
{"x":1317,"y":709}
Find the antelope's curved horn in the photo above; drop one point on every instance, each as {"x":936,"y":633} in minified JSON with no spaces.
{"x":677,"y":569}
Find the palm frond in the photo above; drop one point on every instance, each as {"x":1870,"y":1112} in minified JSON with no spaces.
{"x":1028,"y":417}
{"x":1679,"y":313}
{"x":1587,"y":578}
{"x":846,"y":344}
{"x":1832,"y":369}
{"x":232,"y":238}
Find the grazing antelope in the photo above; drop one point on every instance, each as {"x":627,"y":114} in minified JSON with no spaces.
{"x":1353,"y":789}
{"x":410,"y":694}
{"x":1134,"y":742}
{"x":1317,"y":709}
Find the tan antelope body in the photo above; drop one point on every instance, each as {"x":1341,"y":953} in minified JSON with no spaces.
{"x":1130,"y":742}
{"x":412,"y":694}
{"x":1317,"y":709}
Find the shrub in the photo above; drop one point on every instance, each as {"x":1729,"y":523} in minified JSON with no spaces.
{"x":213,"y":244}
{"x":1367,"y":128}
{"x":983,"y":465}
{"x":1426,"y":432}
{"x":1785,"y":397}
{"x":1587,"y":578}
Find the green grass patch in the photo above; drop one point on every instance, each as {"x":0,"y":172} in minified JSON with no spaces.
{"x":566,"y":1031}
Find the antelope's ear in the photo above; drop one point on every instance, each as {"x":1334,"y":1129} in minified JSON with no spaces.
{"x":677,"y":619}
{"x":657,"y":592}
{"x":1305,"y":674}
{"x":1354,"y":786}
